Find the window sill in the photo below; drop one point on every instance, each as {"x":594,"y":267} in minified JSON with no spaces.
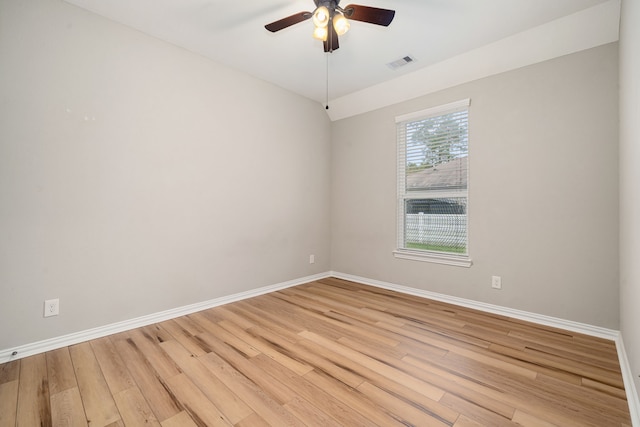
{"x":438,"y":258}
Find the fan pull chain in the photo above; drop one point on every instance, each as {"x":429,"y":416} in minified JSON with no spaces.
{"x":327,"y":75}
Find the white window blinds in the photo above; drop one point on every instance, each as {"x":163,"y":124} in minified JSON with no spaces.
{"x":433,"y":179}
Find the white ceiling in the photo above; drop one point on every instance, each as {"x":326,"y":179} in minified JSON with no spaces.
{"x":232,"y":32}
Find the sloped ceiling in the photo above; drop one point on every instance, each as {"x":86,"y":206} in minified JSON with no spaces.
{"x":476,"y":38}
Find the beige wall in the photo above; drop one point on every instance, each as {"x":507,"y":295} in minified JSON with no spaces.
{"x":630,"y":183}
{"x":543,"y":191}
{"x":187,"y":181}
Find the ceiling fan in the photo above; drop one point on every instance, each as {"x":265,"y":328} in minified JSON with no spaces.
{"x":331,"y":20}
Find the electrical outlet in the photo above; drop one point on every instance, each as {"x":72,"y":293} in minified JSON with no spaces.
{"x":496,"y":282}
{"x":51,"y":307}
{"x":312,"y":259}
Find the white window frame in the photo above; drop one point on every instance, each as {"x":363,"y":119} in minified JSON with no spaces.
{"x":461,"y":260}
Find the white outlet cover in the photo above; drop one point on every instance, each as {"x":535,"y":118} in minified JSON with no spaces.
{"x":51,"y":307}
{"x":496,"y":282}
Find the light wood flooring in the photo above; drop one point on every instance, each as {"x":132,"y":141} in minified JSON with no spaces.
{"x":327,"y":353}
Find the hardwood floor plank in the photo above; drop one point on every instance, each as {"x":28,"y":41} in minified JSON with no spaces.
{"x":513,"y":391}
{"x":439,"y":334}
{"x":272,"y":386}
{"x":476,"y":413}
{"x":347,"y":405}
{"x":215,"y":331}
{"x":60,"y":371}
{"x":222,"y":313}
{"x":319,"y":363}
{"x":494,"y":337}
{"x":426,"y":389}
{"x":529,"y":395}
{"x":134,"y":409}
{"x":592,"y":372}
{"x":187,"y":324}
{"x":181,"y":419}
{"x":528,"y":420}
{"x":334,"y":302}
{"x":261,"y":319}
{"x":402,"y":409}
{"x":393,"y":387}
{"x":276,"y":312}
{"x":584,"y":402}
{"x":301,"y":301}
{"x":196,"y":404}
{"x":479,"y":354}
{"x":350,"y":327}
{"x":34,"y":407}
{"x":253,"y":420}
{"x":9,"y":371}
{"x":163,"y":403}
{"x":215,"y":390}
{"x":346,"y":299}
{"x":518,"y":358}
{"x":481,"y":393}
{"x":308,"y":413}
{"x":266,"y":347}
{"x":146,"y":341}
{"x":310,"y":319}
{"x":255,"y":397}
{"x":98,"y":403}
{"x":67,"y":408}
{"x":8,"y":403}
{"x":157,"y":334}
{"x":464,"y":421}
{"x":578,"y":352}
{"x":113,"y":367}
{"x":189,"y":341}
{"x":367,"y":347}
{"x":431,"y":316}
{"x":311,"y":388}
{"x":604,"y":388}
{"x":335,"y":325}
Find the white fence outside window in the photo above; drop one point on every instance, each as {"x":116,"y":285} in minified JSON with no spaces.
{"x":436,"y":229}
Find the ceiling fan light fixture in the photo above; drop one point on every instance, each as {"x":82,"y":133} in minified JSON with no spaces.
{"x":340,"y":24}
{"x":328,"y":12}
{"x":321,"y":16}
{"x":320,"y":33}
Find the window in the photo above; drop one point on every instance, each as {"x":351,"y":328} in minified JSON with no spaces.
{"x":432,"y":184}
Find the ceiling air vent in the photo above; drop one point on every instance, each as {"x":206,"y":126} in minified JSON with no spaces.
{"x":401,"y":62}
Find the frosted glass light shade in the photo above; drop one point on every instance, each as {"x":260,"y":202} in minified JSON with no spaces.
{"x":341,"y":24}
{"x":321,"y":16}
{"x":320,"y":33}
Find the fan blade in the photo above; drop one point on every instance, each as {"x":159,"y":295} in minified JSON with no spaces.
{"x":331,"y":43}
{"x":372,"y":15}
{"x":288,"y":21}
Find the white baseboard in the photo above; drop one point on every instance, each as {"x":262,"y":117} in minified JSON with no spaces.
{"x":629,"y":383}
{"x":99,"y":332}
